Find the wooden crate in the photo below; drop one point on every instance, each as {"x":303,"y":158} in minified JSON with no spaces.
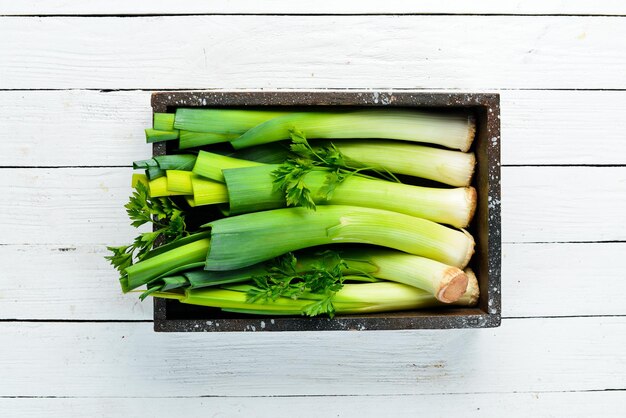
{"x":172,"y":316}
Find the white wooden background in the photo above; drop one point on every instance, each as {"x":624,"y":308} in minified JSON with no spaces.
{"x":75,"y":81}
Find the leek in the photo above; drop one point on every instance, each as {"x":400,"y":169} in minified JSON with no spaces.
{"x":155,"y":167}
{"x":221,"y":121}
{"x":207,"y":192}
{"x":452,"y":131}
{"x":445,"y":166}
{"x":179,"y":181}
{"x":210,"y":165}
{"x":351,"y":299}
{"x":153,"y":135}
{"x":163,"y":122}
{"x":251,"y":189}
{"x":164,"y":262}
{"x":188,"y":139}
{"x":244,"y":240}
{"x":199,"y":190}
{"x":446,"y":283}
{"x":159,"y":188}
{"x":274,"y":153}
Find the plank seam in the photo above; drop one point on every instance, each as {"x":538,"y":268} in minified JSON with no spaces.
{"x":102,"y":15}
{"x":310,"y":396}
{"x":316,"y":89}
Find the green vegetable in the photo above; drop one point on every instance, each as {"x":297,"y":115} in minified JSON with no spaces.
{"x":167,"y":218}
{"x":207,"y":192}
{"x":179,"y":181}
{"x":153,"y":135}
{"x":155,"y":167}
{"x":452,"y":131}
{"x":254,"y":188}
{"x":351,"y":299}
{"x":159,"y":188}
{"x":449,"y":167}
{"x":244,"y":240}
{"x":283,"y":280}
{"x":274,"y":153}
{"x":221,"y":121}
{"x":210,"y":165}
{"x":190,"y":251}
{"x":289,"y":176}
{"x":163,"y":122}
{"x":290,"y":273}
{"x":200,"y":191}
{"x":188,"y":139}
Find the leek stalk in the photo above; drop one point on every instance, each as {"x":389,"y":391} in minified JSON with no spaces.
{"x":210,"y":165}
{"x":153,"y":135}
{"x":244,"y":240}
{"x":446,"y":283}
{"x":163,"y":122}
{"x":188,"y":139}
{"x":200,"y":191}
{"x":351,"y":299}
{"x":445,"y":166}
{"x":251,"y":189}
{"x":221,"y":121}
{"x":452,"y":131}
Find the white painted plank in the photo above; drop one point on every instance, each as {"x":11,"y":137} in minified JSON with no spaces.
{"x":563,"y":204}
{"x":90,"y":7}
{"x":563,"y":279}
{"x":76,"y":283}
{"x":563,"y":127}
{"x":130,"y":360}
{"x":82,"y":128}
{"x":85,"y":205}
{"x":47,"y":282}
{"x":523,"y":405}
{"x":65,"y":206}
{"x":470,"y":53}
{"x":53,"y":128}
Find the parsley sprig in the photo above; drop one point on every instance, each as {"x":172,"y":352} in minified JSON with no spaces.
{"x":283,"y":280}
{"x":142,"y":209}
{"x":303,"y":159}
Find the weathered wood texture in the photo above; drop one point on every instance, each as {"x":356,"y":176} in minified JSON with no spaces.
{"x":71,"y":206}
{"x":195,"y":52}
{"x":517,"y":405}
{"x":113,"y":7}
{"x":130,"y":360}
{"x":76,"y":283}
{"x":91,"y":128}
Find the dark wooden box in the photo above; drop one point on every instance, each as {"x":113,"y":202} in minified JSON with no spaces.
{"x":172,"y":316}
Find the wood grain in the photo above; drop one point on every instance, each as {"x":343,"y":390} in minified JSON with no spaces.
{"x":563,"y":127}
{"x":73,"y":127}
{"x":76,"y":283}
{"x":90,"y":7}
{"x":464,"y":52}
{"x":522,"y":405}
{"x":130,"y":360}
{"x":72,"y":282}
{"x":65,"y":206}
{"x":85,"y":205}
{"x":548,"y":204}
{"x":91,"y":128}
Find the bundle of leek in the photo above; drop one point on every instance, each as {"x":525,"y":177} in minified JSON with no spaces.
{"x":385,"y":245}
